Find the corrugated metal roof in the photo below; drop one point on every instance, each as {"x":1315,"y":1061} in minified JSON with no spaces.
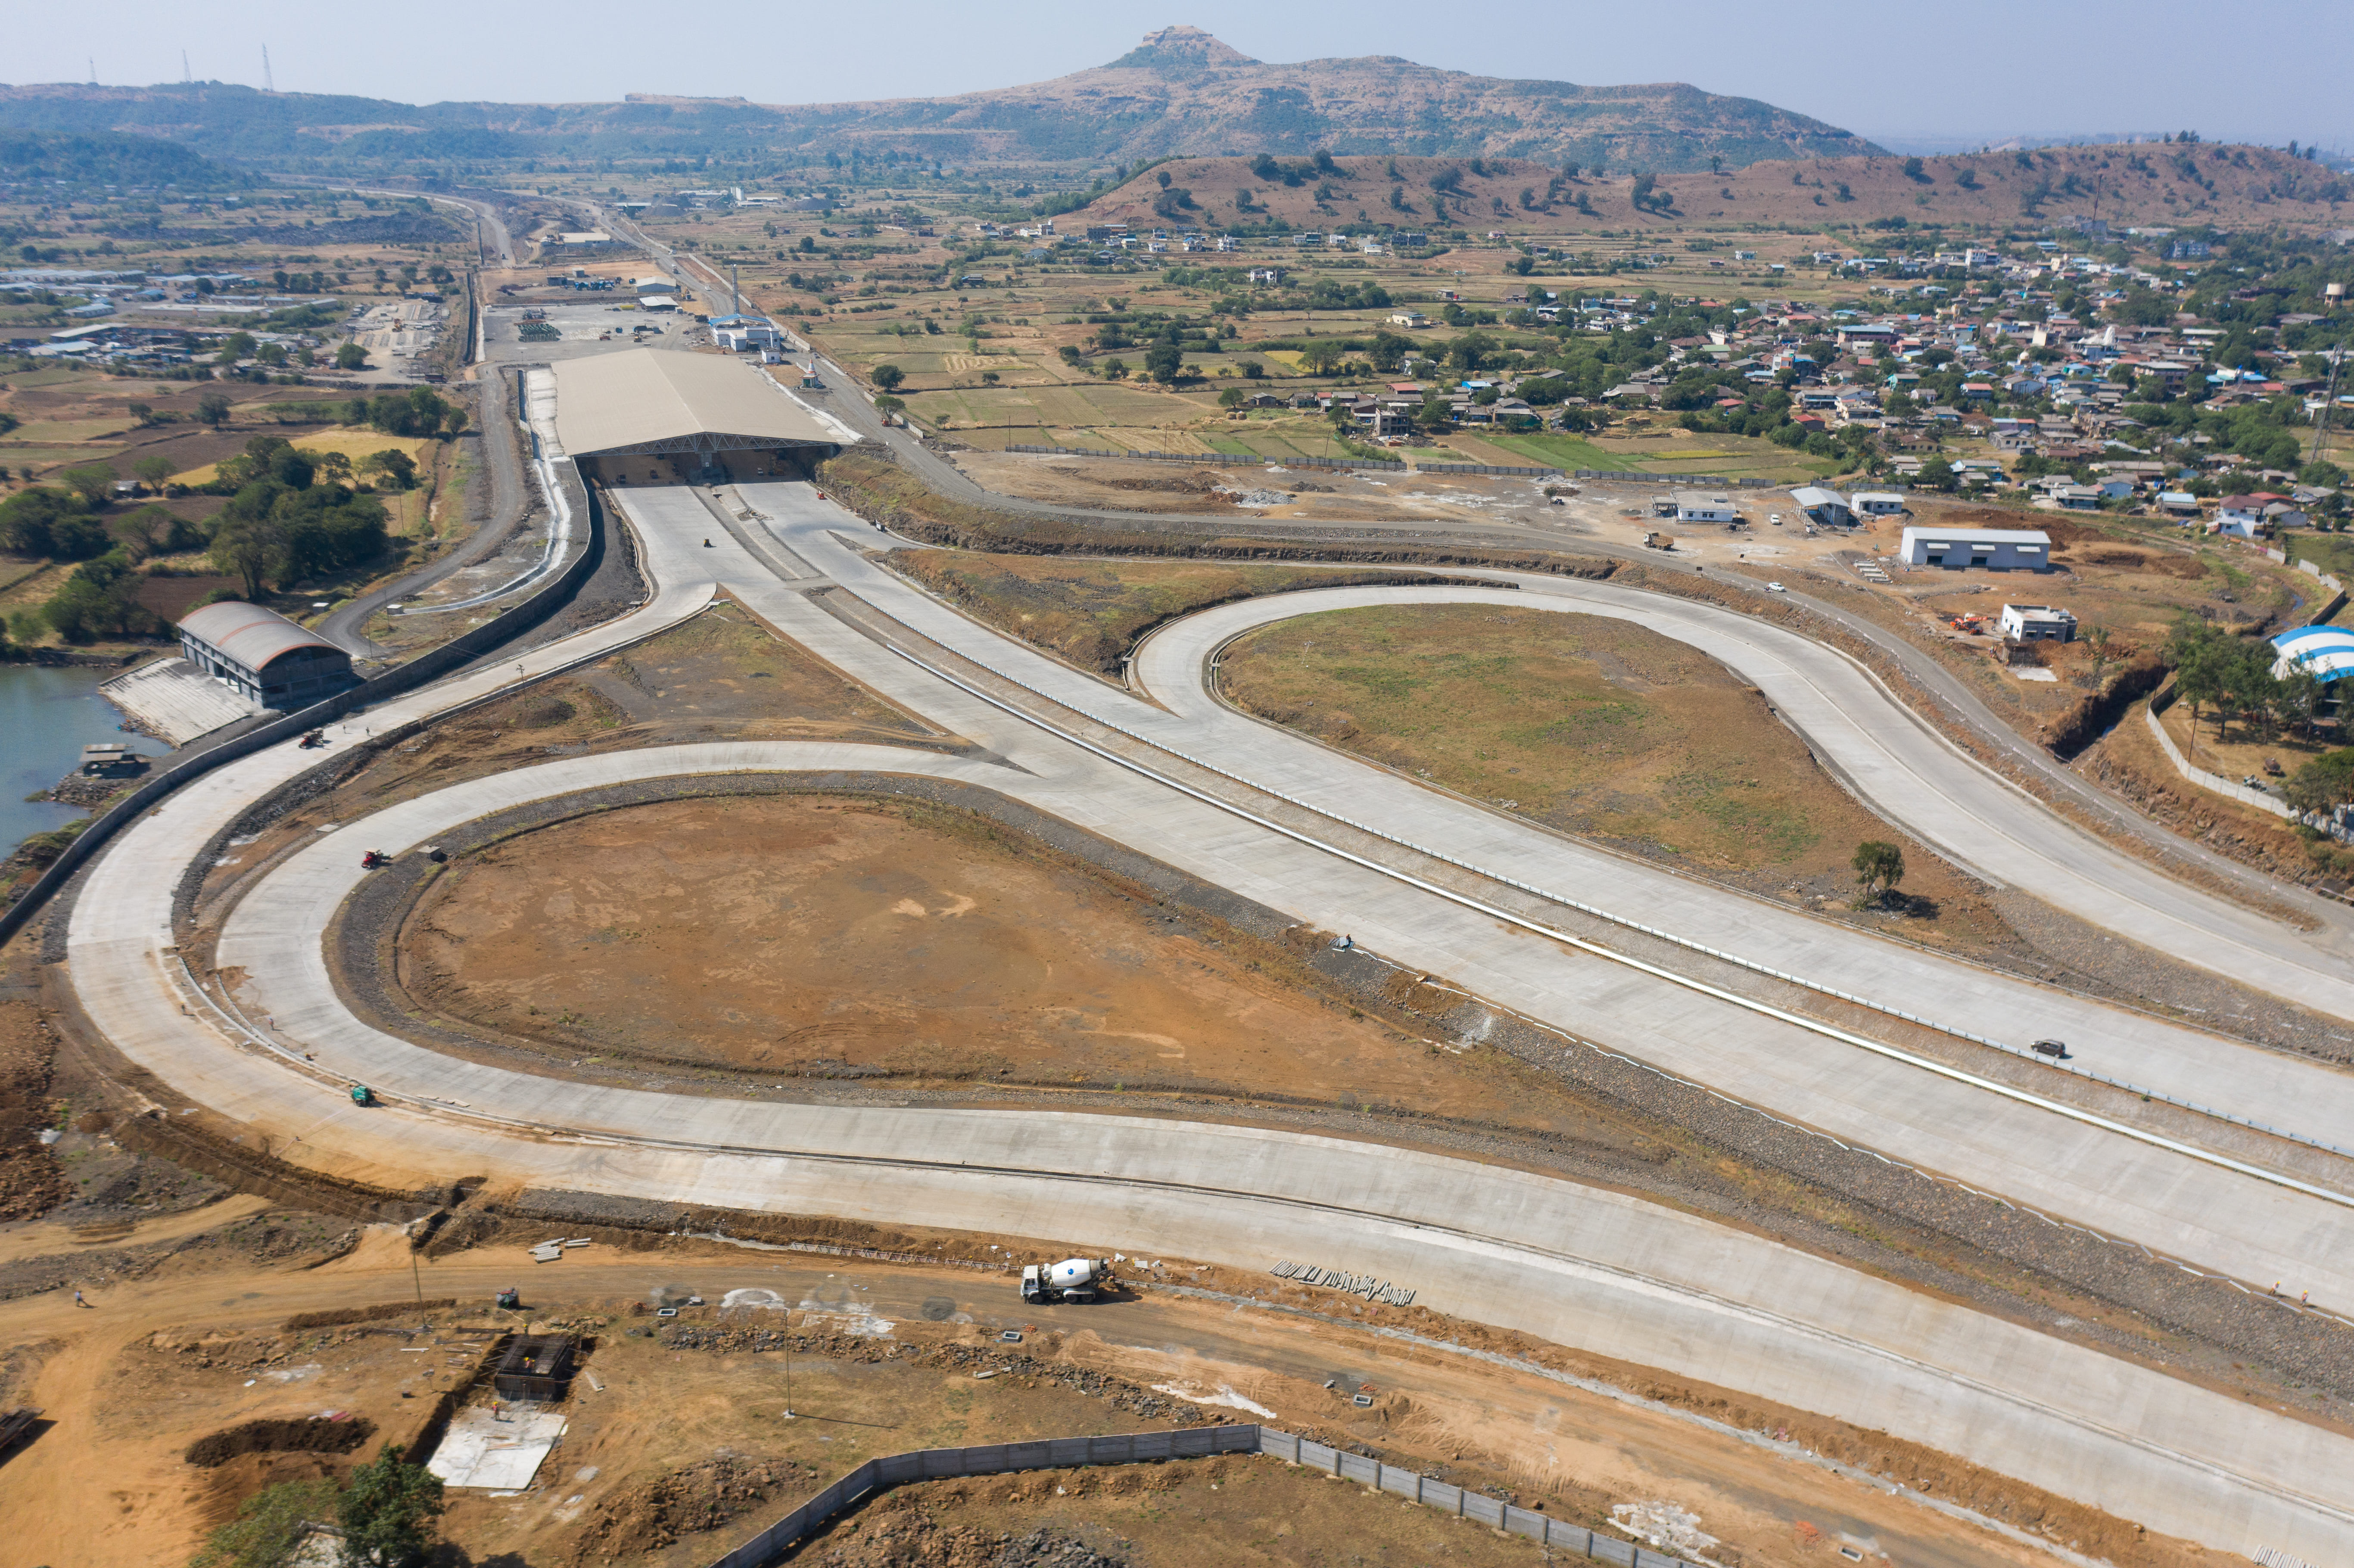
{"x":250,"y":634}
{"x":612,"y":400}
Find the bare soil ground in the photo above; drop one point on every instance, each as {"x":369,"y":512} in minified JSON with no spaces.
{"x":1595,"y":726}
{"x":791,"y":935}
{"x":1094,"y":612}
{"x":1330,"y":496}
{"x":678,"y":1446}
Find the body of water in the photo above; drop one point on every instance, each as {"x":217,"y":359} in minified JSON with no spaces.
{"x":47,"y":713}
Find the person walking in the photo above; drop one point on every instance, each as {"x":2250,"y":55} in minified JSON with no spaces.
{"x":78,"y":1300}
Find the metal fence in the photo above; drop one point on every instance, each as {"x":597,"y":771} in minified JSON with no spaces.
{"x":1197,"y":1442}
{"x":1223,"y":460}
{"x":1716,"y":480}
{"x":1250,"y":459}
{"x":426,"y":667}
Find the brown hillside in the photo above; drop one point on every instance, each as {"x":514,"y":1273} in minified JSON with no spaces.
{"x":2146,"y":183}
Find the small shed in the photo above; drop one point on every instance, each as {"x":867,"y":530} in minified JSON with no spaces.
{"x":537,"y":1367}
{"x":1824,"y":506}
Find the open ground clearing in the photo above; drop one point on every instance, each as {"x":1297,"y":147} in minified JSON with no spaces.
{"x":677,"y":1446}
{"x":850,"y":938}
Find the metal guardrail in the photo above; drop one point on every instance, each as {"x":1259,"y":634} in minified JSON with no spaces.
{"x":1187,"y":1443}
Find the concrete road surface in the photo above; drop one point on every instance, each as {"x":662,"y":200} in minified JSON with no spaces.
{"x":1613,"y":1273}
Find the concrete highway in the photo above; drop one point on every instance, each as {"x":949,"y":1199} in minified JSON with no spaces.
{"x":1612,"y":1273}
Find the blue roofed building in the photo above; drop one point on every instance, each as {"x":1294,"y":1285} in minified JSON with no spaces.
{"x":2325,"y":652}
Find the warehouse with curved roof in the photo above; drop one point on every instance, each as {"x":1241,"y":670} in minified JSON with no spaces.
{"x":266,"y":658}
{"x":667,"y":409}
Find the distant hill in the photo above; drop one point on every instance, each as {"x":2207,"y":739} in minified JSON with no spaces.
{"x":1181,"y":93}
{"x":2142,"y":184}
{"x":108,"y":158}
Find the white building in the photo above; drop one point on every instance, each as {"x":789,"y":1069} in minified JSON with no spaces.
{"x":658,"y":302}
{"x":1879,"y":502}
{"x":1995,"y":549}
{"x":1702,"y":506}
{"x":2037,"y":623}
{"x":656,"y":284}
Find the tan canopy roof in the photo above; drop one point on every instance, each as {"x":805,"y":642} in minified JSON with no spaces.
{"x":249,"y":634}
{"x":646,"y":399}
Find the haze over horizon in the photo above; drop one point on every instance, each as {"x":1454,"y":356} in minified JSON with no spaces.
{"x":1909,"y":80}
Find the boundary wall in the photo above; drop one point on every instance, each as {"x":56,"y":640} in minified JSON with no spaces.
{"x":1188,"y":1443}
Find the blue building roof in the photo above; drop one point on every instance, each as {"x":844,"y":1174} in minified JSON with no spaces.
{"x":2326,"y":653}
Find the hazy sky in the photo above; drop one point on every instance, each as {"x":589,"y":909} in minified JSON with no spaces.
{"x":2261,"y":70}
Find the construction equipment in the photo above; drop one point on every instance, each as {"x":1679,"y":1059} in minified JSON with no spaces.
{"x":313,"y":739}
{"x":371,"y":859}
{"x":1072,"y":1280}
{"x":362,"y":1094}
{"x":511,"y":1299}
{"x":1655,"y":540}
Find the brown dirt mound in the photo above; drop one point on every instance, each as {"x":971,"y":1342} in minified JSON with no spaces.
{"x":364,"y":1314}
{"x":653,"y":1513}
{"x":304,"y":1436}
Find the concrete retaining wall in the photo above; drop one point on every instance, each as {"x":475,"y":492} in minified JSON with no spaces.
{"x":1055,"y":1452}
{"x":460,"y":650}
{"x":2200,"y":776}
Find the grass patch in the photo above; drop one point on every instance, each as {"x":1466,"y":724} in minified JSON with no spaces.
{"x":1094,"y":612}
{"x":1591,"y":725}
{"x":1561,"y":451}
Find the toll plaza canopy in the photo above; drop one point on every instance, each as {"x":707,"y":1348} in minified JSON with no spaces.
{"x":667,"y":400}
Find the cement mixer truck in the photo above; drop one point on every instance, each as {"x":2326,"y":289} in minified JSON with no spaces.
{"x":1072,"y":1280}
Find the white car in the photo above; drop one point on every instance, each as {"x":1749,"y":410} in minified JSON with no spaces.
{"x":1776,"y":587}
{"x":1775,"y":519}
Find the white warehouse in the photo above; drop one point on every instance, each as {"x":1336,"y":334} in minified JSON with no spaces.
{"x":1994,"y":549}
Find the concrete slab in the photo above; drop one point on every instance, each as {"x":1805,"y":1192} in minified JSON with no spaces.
{"x":176,"y":701}
{"x":495,"y":1452}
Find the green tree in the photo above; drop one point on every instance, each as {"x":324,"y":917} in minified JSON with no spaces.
{"x":154,"y":469}
{"x":212,"y":408}
{"x":93,"y":482}
{"x":2323,"y":784}
{"x":387,"y":1512}
{"x":887,"y":376}
{"x":1233,"y":398}
{"x":397,"y":468}
{"x":1937,"y":474}
{"x":1164,"y":360}
{"x":270,"y":1526}
{"x":1324,"y":356}
{"x":1879,"y":866}
{"x":351,"y":357}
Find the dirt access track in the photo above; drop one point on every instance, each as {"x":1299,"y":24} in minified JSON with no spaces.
{"x":676,"y":1446}
{"x":1568,"y":1264}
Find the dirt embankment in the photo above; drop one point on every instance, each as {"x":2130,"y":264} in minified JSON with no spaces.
{"x":280,"y":1437}
{"x":31,"y":1181}
{"x":884,"y":493}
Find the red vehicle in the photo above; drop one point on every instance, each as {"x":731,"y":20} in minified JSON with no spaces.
{"x":371,"y":859}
